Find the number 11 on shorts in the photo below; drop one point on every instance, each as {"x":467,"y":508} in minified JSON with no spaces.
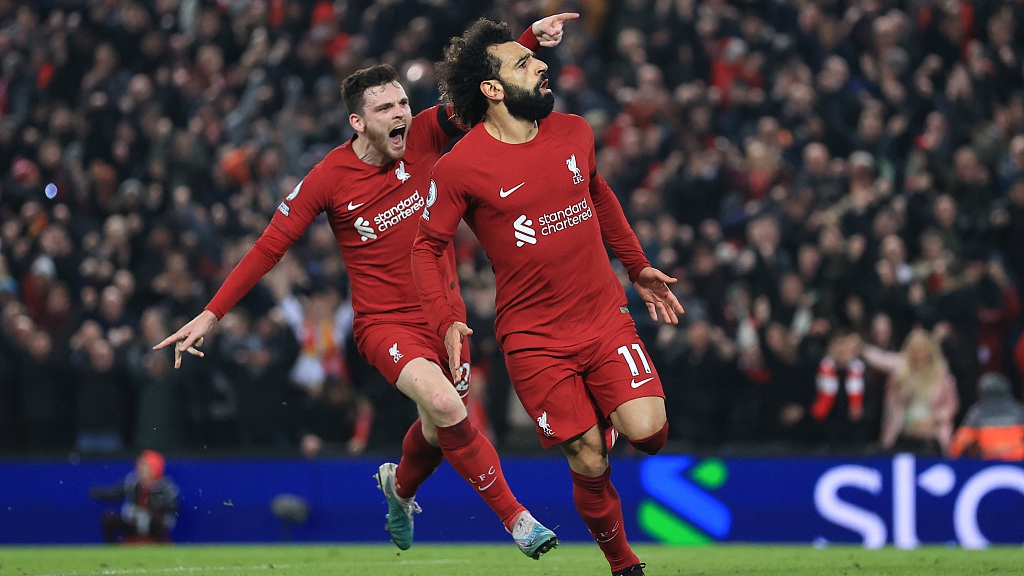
{"x":628,"y":355}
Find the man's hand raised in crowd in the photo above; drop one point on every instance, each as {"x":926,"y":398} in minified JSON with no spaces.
{"x":652,"y":285}
{"x":189,"y":337}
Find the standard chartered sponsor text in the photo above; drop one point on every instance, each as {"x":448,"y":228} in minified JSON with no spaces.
{"x":404,"y":209}
{"x":571,"y":216}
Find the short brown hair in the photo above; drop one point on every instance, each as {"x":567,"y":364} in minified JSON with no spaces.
{"x":353,"y":88}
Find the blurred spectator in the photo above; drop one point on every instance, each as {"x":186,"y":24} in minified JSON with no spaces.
{"x":921,"y":399}
{"x":699,"y":369}
{"x":328,"y":421}
{"x":104,"y":403}
{"x":46,"y":393}
{"x":256,"y":355}
{"x":839,"y":398}
{"x":788,"y":397}
{"x":160,"y":414}
{"x":993,"y":428}
{"x":149,"y":508}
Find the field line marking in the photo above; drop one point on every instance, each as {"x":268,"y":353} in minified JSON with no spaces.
{"x":275,"y":566}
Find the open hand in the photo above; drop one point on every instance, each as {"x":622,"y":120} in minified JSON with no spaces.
{"x":652,"y":285}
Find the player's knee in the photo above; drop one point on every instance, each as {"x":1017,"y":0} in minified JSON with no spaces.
{"x":446,"y":409}
{"x":587,"y":458}
{"x":653,"y":443}
{"x":592,"y":465}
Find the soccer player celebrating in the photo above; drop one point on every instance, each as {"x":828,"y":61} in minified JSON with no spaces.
{"x":524,"y":179}
{"x":371,"y":188}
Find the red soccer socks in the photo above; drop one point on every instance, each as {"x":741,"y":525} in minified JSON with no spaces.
{"x":653,"y":443}
{"x":419,"y":460}
{"x":599,"y":505}
{"x":473,"y":456}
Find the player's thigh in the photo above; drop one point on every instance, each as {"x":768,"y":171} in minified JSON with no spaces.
{"x":623,"y":381}
{"x":437,"y":400}
{"x":389,"y":347}
{"x":550,"y":387}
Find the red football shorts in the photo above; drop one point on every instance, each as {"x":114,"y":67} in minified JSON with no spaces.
{"x":567,"y":390}
{"x":389,"y":346}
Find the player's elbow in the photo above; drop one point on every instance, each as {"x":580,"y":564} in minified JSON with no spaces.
{"x":425,"y":247}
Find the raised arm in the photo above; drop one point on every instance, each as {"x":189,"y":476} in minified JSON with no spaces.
{"x":547,"y":31}
{"x":883,"y":360}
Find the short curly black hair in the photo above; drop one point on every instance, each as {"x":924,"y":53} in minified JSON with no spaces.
{"x":466,"y":64}
{"x":353,"y":88}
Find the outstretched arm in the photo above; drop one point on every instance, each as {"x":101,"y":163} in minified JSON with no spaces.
{"x":263,"y":256}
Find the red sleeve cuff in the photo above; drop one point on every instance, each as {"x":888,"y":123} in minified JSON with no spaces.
{"x":442,"y":330}
{"x":529,"y":39}
{"x":634,"y":271}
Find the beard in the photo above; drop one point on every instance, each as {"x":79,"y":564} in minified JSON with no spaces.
{"x":528,"y":104}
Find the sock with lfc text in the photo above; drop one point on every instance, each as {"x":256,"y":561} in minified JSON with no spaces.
{"x":472,"y":455}
{"x":599,"y":505}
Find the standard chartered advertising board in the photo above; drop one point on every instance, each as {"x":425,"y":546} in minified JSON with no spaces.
{"x":902,"y":500}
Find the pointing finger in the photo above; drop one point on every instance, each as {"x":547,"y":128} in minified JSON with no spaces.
{"x":166,"y":341}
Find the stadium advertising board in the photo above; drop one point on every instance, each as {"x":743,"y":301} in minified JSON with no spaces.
{"x":675,"y":499}
{"x":903,"y":501}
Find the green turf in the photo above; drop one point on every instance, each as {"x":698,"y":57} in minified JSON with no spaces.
{"x":485,"y":560}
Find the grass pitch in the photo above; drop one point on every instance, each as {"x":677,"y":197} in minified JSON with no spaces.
{"x":573,"y":559}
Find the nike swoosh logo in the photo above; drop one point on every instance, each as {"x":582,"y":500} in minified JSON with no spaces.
{"x":504,"y":194}
{"x":636,"y":384}
{"x":495,"y":478}
{"x":352,"y":206}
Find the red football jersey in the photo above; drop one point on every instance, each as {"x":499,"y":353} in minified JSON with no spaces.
{"x":540,"y":211}
{"x":373,"y":211}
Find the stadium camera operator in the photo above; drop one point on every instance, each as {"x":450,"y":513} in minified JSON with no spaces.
{"x":150,"y":503}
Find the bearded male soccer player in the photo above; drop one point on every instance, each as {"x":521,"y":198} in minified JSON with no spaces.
{"x":372,"y":188}
{"x":525,"y":181}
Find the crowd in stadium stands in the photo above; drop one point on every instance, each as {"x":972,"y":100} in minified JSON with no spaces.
{"x":837,"y":184}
